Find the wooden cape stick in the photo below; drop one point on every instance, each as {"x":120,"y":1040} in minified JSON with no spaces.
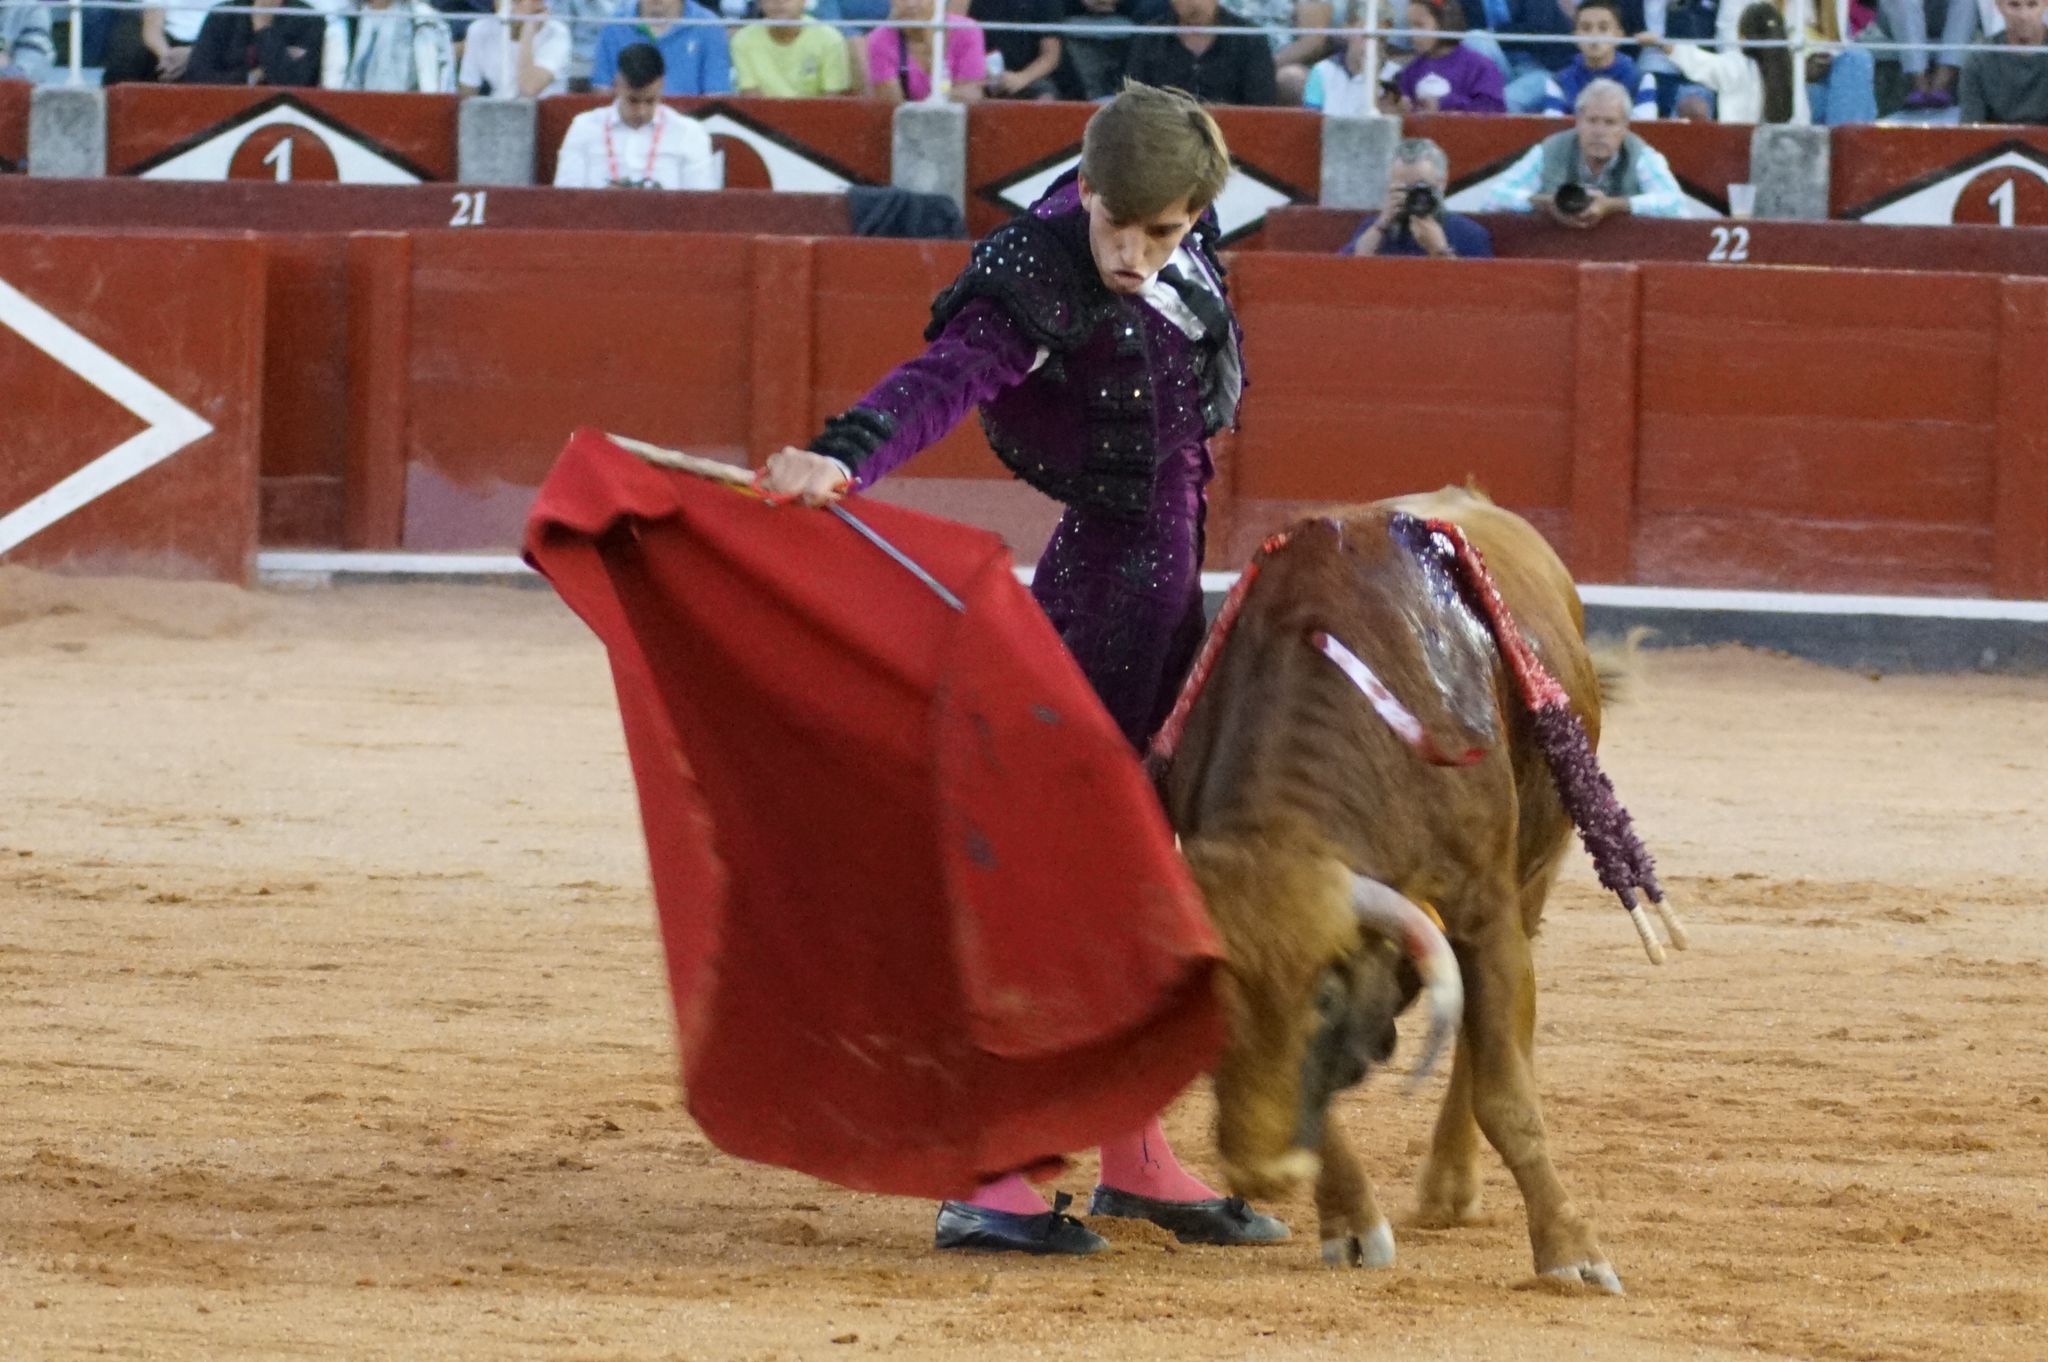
{"x":742,"y":479}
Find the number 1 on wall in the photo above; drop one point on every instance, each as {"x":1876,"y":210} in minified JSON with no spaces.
{"x":2004,"y":200}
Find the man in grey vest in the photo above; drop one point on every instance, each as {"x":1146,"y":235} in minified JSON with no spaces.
{"x":1598,"y":168}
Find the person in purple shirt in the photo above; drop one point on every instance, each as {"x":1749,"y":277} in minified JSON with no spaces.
{"x":1446,"y":76}
{"x":1094,"y":335}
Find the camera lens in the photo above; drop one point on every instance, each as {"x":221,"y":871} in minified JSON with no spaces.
{"x":1572,"y":199}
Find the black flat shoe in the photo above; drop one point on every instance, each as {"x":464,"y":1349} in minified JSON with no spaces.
{"x":1220,"y":1220}
{"x":962,"y":1226}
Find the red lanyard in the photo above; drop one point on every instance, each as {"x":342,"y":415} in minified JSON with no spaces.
{"x":611,"y":157}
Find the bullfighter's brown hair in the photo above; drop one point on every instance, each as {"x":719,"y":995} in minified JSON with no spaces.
{"x":1149,"y":148}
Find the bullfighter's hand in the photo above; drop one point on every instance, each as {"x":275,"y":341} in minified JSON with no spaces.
{"x":799,"y":475}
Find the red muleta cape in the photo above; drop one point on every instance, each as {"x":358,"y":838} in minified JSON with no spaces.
{"x":924,"y":919}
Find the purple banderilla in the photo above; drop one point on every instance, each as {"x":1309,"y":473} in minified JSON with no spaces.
{"x":1619,"y":856}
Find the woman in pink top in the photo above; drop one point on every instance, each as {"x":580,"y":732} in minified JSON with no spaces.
{"x":900,"y":59}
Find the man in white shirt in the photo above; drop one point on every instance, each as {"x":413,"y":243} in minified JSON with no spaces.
{"x":637,"y":142}
{"x":536,"y":64}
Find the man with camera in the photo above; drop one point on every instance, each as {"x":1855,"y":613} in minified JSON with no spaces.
{"x":1414,"y":220}
{"x":1592,"y":171}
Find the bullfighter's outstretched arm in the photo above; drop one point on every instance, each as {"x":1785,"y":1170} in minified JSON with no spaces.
{"x":981,"y":351}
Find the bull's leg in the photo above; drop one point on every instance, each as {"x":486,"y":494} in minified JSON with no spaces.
{"x":1447,"y":1192}
{"x":1354,"y":1233}
{"x":1500,"y":1027}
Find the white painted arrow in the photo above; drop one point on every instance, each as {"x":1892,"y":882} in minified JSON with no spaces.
{"x":171,"y":424}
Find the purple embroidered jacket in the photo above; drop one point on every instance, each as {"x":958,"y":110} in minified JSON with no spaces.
{"x":1114,"y":423}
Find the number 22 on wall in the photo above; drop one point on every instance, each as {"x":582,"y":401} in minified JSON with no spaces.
{"x":1731,"y":246}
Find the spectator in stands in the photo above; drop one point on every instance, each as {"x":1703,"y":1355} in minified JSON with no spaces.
{"x":1414,"y":220}
{"x":397,"y":45}
{"x":1020,"y":63}
{"x":798,"y":58}
{"x":1340,"y":85}
{"x":1680,"y":21}
{"x":1446,"y":76}
{"x":1753,"y":84}
{"x":697,"y":58}
{"x":1839,"y":87}
{"x":2010,"y":87}
{"x":900,"y":59}
{"x":1216,"y":68}
{"x":1094,"y":65}
{"x":1530,"y":65}
{"x":25,"y":47}
{"x":1592,"y":171}
{"x":586,"y":20}
{"x":1293,"y":53}
{"x":534,"y":63}
{"x":1908,"y":21}
{"x":155,"y":43}
{"x":278,"y":45}
{"x":1598,"y":27}
{"x":460,"y":14}
{"x":636,"y":141}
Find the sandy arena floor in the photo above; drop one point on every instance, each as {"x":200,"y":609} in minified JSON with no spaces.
{"x":335,"y":1027}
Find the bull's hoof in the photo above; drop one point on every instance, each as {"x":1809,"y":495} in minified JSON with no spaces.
{"x":1598,"y":1275}
{"x":1374,"y":1248}
{"x":1448,"y":1216}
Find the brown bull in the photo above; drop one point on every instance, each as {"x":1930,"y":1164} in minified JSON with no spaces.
{"x":1313,"y":826}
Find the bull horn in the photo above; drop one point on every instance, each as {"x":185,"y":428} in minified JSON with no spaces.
{"x":1386,"y":911}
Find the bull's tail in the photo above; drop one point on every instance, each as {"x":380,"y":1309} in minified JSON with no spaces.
{"x":1618,"y":665}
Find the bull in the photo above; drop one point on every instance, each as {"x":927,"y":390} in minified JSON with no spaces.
{"x":1317,"y":822}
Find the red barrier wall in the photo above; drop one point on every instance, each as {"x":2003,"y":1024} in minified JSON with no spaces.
{"x":1674,"y":424}
{"x":1705,"y":157}
{"x":458,"y":431}
{"x":1917,"y":175}
{"x":1936,"y":176}
{"x":135,"y":377}
{"x":1661,"y":423}
{"x":263,"y":206}
{"x":1833,"y":245}
{"x":14,"y":98}
{"x":223,"y":131}
{"x":815,"y":144}
{"x":1808,"y":431}
{"x":1364,"y":391}
{"x":307,"y":413}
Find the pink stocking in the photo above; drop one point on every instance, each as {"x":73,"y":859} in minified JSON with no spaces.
{"x":1012,"y":1194}
{"x":1143,"y":1163}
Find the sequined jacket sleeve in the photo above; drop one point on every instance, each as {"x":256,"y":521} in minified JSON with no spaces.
{"x":978,"y":354}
